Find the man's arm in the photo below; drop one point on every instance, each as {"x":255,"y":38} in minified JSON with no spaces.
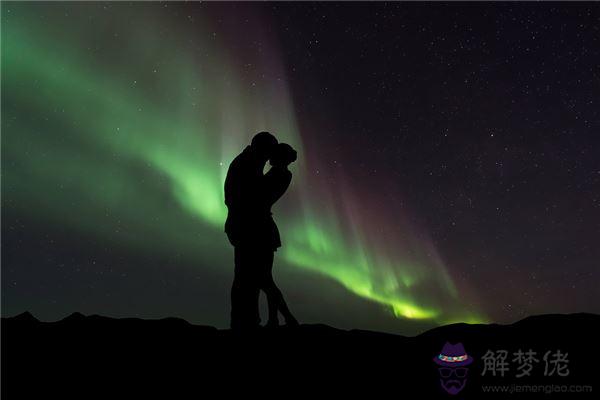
{"x":275,"y":185}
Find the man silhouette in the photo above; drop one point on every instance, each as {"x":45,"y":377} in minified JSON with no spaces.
{"x":248,"y":228}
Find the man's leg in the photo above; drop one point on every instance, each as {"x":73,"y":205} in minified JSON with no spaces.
{"x":244,"y":291}
{"x":236,"y":288}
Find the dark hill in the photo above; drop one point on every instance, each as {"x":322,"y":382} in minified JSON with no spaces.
{"x":80,"y":355}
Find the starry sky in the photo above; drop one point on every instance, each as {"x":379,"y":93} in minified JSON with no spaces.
{"x":448,"y":158}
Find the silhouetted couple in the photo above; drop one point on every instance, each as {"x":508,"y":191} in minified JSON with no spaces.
{"x":249,"y":195}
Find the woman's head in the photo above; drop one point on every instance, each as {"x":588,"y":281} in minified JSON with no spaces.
{"x":283,"y":155}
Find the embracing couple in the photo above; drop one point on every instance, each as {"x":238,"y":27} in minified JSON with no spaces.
{"x":250,"y":228}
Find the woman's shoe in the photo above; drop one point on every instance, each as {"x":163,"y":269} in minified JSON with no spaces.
{"x":272,"y":324}
{"x":291,"y":321}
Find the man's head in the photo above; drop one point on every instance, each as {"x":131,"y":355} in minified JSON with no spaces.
{"x":263,"y":145}
{"x":283,"y":155}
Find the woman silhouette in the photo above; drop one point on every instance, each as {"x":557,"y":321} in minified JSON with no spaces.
{"x":276,"y":182}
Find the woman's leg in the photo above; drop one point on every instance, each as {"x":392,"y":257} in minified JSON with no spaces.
{"x":267,"y":284}
{"x":273,"y":303}
{"x":275,"y":299}
{"x":277,"y":303}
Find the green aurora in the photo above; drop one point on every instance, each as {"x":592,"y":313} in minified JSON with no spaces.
{"x":138,"y":122}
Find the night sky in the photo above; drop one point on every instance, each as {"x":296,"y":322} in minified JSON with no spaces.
{"x":448,"y":158}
